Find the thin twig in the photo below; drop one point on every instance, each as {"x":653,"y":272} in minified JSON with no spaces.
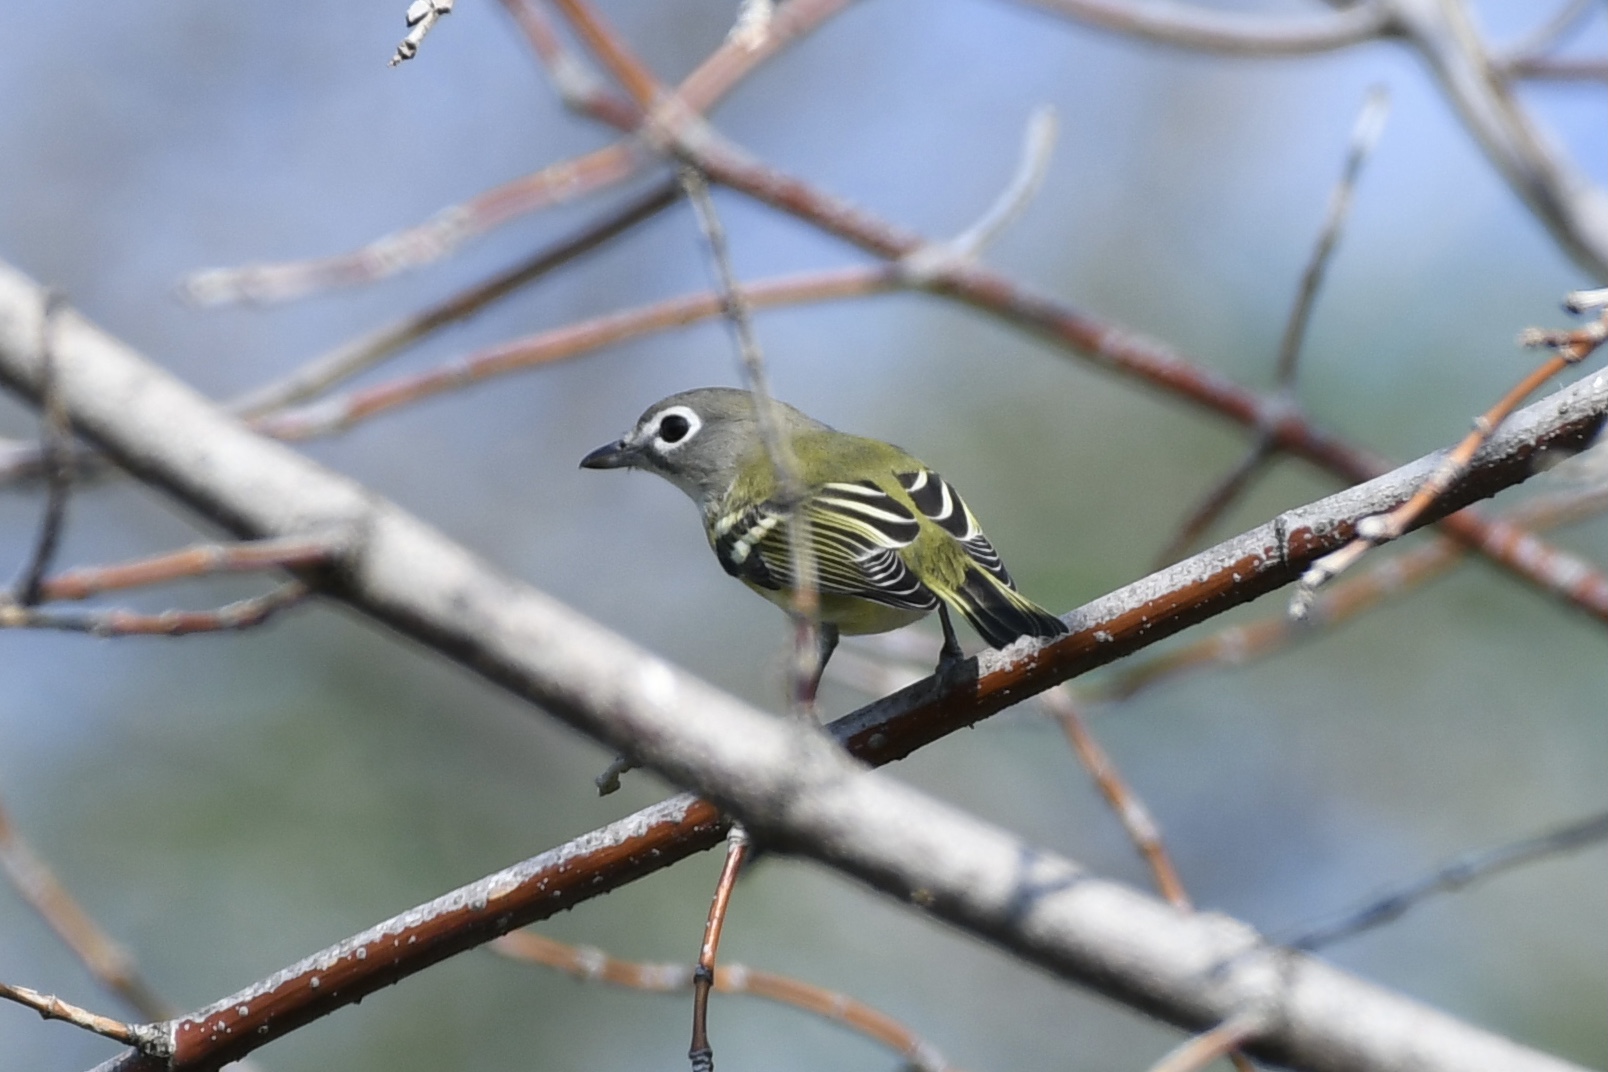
{"x":806,"y":663}
{"x":1130,"y":810}
{"x":350,"y":358}
{"x":340,"y":412}
{"x":1199,"y":28}
{"x":101,"y":955}
{"x":53,"y":1008}
{"x":701,"y":1054}
{"x":55,"y":449}
{"x":1569,"y":348}
{"x":923,"y":266}
{"x":1364,"y":136}
{"x":1552,"y":33}
{"x":1222,"y":1040}
{"x":594,"y":965}
{"x":577,"y":85}
{"x":242,"y":614}
{"x":201,"y":560}
{"x":421,"y":244}
{"x":1460,"y":873}
{"x":1238,"y":645}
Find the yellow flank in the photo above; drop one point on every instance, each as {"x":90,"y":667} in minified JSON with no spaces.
{"x":851,"y":616}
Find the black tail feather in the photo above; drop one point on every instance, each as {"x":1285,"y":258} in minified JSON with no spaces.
{"x":1000,"y":614}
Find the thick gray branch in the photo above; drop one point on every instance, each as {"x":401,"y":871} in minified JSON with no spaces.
{"x":788,"y":784}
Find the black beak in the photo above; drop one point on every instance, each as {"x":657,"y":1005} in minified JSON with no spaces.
{"x":616,"y":455}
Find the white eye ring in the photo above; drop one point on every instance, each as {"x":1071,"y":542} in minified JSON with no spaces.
{"x":664,"y":446}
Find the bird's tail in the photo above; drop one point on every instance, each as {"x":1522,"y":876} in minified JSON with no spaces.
{"x":998,"y":612}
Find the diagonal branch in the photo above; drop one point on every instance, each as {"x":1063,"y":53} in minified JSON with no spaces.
{"x":786,"y":783}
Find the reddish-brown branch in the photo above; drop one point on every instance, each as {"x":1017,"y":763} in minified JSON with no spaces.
{"x":593,"y":965}
{"x":342,"y":411}
{"x":1102,"y":632}
{"x":1129,"y":809}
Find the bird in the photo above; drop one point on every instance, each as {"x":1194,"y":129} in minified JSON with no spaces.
{"x":892,"y":541}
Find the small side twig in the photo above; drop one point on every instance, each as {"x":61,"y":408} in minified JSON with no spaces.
{"x":102,"y":957}
{"x":1130,"y":810}
{"x":55,"y":447}
{"x":201,"y":560}
{"x":1459,"y":874}
{"x":701,"y":1053}
{"x":51,"y":1007}
{"x":1569,"y":348}
{"x":116,"y":622}
{"x":1223,"y":1040}
{"x":594,"y":965}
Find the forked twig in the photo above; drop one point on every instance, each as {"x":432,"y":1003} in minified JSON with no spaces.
{"x":1569,"y":348}
{"x":594,"y":965}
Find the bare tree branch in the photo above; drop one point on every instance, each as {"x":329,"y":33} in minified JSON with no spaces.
{"x":788,"y":785}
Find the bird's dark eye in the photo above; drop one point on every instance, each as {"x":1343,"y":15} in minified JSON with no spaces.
{"x":674,"y":428}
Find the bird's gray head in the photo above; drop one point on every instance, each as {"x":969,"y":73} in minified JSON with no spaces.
{"x":696,"y":440}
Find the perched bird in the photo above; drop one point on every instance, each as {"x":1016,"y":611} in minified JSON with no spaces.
{"x":891,"y":540}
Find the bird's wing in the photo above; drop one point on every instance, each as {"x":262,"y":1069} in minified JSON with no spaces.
{"x":940,"y":503}
{"x":984,"y":593}
{"x":856,"y":530}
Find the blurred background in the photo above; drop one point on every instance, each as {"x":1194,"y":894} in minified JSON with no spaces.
{"x":225,"y":805}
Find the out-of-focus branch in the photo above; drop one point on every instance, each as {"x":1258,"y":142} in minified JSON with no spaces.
{"x":296,"y":552}
{"x":116,"y":622}
{"x":339,"y":412}
{"x":107,"y":961}
{"x":56,"y":462}
{"x":1572,"y":209}
{"x":363,"y":353}
{"x":1569,"y":348}
{"x":429,"y":241}
{"x":1459,"y":874}
{"x":1192,"y":26}
{"x":784,"y":782}
{"x":594,"y":965}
